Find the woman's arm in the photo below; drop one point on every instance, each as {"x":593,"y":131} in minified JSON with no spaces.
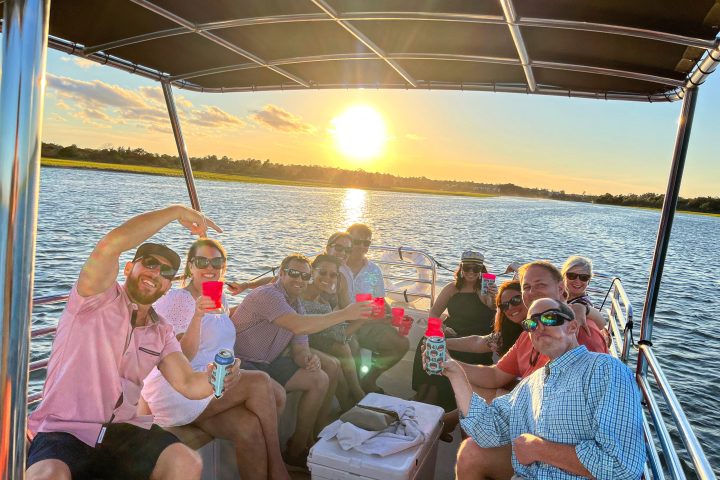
{"x":472,"y":344}
{"x":190,"y":339}
{"x":441,"y":302}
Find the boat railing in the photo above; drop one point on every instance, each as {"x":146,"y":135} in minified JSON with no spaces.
{"x":407,"y":267}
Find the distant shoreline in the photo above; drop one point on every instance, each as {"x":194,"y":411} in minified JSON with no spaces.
{"x":224,"y":177}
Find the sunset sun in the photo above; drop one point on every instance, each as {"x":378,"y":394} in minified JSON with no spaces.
{"x":359,"y":132}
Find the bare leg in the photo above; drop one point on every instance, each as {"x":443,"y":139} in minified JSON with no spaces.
{"x":314,"y":386}
{"x":242,"y":428}
{"x":256,"y":393}
{"x":177,"y":462}
{"x":390,"y":350}
{"x":48,"y":470}
{"x":347,"y":364}
{"x":475,"y":463}
{"x":331,"y":366}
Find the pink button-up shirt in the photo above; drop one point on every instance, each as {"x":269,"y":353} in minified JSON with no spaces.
{"x":96,"y":357}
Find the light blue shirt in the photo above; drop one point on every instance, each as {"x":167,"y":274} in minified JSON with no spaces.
{"x":368,"y":280}
{"x":585,"y":399}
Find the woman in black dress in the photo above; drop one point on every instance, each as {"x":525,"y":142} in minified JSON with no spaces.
{"x":470,"y":313}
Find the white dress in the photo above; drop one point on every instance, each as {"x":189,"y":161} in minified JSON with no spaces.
{"x":217,"y":331}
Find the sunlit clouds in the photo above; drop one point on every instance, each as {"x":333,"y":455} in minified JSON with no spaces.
{"x":275,"y":118}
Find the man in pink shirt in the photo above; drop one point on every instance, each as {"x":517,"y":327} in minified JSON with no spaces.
{"x":539,"y":279}
{"x":108,"y":340}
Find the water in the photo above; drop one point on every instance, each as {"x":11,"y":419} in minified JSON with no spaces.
{"x":263,"y":223}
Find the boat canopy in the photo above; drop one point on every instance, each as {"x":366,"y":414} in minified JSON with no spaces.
{"x":650,"y":50}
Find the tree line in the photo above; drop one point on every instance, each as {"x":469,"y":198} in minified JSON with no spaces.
{"x":359,"y":178}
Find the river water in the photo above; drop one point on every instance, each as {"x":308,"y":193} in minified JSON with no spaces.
{"x":263,"y":223}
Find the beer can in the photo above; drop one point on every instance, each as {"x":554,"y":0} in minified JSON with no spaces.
{"x":223,"y":360}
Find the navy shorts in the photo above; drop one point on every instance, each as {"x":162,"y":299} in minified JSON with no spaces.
{"x":127,"y":452}
{"x":281,"y":369}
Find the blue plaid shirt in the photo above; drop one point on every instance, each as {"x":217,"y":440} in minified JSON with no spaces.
{"x":585,"y":399}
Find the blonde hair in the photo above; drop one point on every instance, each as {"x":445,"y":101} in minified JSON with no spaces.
{"x":577,"y":261}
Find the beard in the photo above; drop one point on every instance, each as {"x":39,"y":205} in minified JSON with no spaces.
{"x":138,"y":297}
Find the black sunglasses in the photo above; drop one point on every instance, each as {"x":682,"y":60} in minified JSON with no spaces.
{"x":584,"y":277}
{"x":471,"y":268}
{"x":152,"y":263}
{"x":203,"y":262}
{"x":365,"y":243}
{"x":513,"y":302}
{"x":292,"y":273}
{"x":327,"y":273}
{"x":340,"y":248}
{"x":549,"y":318}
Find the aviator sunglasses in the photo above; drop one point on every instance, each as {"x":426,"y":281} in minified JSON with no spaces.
{"x":471,"y":268}
{"x":152,"y":263}
{"x":365,"y":243}
{"x":292,"y":273}
{"x":203,"y":262}
{"x":549,"y":318}
{"x":340,"y":248}
{"x":513,"y":302}
{"x":584,"y":277}
{"x":327,"y":273}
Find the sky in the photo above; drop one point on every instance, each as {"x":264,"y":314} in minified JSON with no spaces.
{"x":575,"y":145}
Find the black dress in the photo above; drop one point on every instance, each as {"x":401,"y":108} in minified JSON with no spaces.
{"x":468,"y":315}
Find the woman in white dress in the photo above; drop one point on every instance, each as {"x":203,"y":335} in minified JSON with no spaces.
{"x":245,"y":413}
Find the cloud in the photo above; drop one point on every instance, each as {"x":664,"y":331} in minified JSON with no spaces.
{"x":103,"y":104}
{"x":275,"y":118}
{"x":80,"y":62}
{"x":412,"y":136}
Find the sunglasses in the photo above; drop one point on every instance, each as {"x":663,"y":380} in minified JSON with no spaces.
{"x":152,"y":263}
{"x":513,"y":302}
{"x":365,"y":243}
{"x":327,"y":273}
{"x":340,"y":248}
{"x":549,"y":318}
{"x":292,"y":273}
{"x":471,"y":268}
{"x":203,"y":262}
{"x":584,"y":277}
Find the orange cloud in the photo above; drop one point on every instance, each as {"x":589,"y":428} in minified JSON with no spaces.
{"x":275,"y":118}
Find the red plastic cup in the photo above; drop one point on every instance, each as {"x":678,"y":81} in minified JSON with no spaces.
{"x":378,"y":310}
{"x":363,"y":297}
{"x":213,"y":290}
{"x":397,"y":316}
{"x":405,"y":326}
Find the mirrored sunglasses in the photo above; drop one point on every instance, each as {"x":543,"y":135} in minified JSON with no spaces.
{"x":292,"y":273}
{"x":152,"y":263}
{"x":584,"y":277}
{"x":203,"y":262}
{"x":513,"y":302}
{"x":549,"y":318}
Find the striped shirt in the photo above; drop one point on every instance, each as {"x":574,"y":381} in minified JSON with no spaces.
{"x":258,"y":339}
{"x":582,"y":398}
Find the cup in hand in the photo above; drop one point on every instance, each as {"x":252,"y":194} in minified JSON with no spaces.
{"x":213,"y":290}
{"x":405,"y":325}
{"x":363,"y":297}
{"x":397,"y":316}
{"x":378,"y":308}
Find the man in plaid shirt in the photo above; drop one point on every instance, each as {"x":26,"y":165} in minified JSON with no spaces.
{"x":578,"y":417}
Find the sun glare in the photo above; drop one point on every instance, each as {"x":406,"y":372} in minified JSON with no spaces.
{"x":359,"y":132}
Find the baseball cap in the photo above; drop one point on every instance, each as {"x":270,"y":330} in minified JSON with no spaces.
{"x":159,"y":250}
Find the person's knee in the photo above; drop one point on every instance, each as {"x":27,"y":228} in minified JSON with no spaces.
{"x":48,"y":470}
{"x":332,"y":367}
{"x":280,"y":396}
{"x":178,"y":461}
{"x":247,"y":432}
{"x":470,"y":460}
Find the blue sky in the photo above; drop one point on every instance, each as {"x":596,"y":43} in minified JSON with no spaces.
{"x":570,"y":144}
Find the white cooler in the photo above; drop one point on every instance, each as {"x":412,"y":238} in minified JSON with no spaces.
{"x":327,"y":461}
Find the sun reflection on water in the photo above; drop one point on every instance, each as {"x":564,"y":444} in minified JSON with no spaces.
{"x":354,"y":205}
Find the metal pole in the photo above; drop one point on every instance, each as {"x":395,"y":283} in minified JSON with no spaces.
{"x":666,"y":220}
{"x":25,"y":30}
{"x":180,"y":142}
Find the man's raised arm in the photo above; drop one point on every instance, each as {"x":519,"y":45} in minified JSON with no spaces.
{"x":101,"y":268}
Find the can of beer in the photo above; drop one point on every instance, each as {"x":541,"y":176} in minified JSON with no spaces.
{"x":434,"y":355}
{"x":223,"y":360}
{"x":486,"y":280}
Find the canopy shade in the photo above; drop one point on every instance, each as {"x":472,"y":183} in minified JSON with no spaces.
{"x":616,"y":49}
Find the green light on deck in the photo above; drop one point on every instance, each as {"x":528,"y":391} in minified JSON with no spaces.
{"x":364,"y":369}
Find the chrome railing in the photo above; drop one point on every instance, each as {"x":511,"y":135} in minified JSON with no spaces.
{"x":406,"y":269}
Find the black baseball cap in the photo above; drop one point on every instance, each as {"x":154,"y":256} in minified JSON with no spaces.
{"x":159,"y":250}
